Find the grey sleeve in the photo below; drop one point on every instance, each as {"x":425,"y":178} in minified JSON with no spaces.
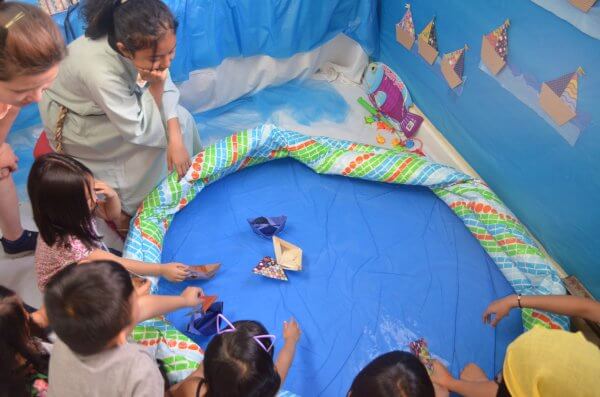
{"x":145,"y":379}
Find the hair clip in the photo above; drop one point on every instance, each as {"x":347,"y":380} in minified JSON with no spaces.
{"x":14,"y":19}
{"x":229,"y":328}
{"x":258,"y":338}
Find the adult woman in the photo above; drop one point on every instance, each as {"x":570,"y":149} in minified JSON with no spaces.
{"x":114,"y":106}
{"x":31,"y":48}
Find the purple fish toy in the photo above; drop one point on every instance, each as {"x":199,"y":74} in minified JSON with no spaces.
{"x":390,"y":96}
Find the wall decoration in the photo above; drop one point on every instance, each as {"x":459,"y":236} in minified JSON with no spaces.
{"x":453,"y":66}
{"x":494,"y":48}
{"x":405,"y":29}
{"x":583,"y":5}
{"x":428,"y":48}
{"x":56,"y":6}
{"x":558,"y":97}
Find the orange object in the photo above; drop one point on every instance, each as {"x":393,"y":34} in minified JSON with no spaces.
{"x":383,"y":126}
{"x":42,"y":146}
{"x":396,"y":142}
{"x":380,"y":139}
{"x":207,"y":301}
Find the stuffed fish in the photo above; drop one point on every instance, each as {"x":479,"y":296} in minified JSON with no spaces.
{"x":390,"y":96}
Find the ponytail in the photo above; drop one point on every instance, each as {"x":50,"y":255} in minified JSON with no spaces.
{"x":138,"y":24}
{"x":30,"y":42}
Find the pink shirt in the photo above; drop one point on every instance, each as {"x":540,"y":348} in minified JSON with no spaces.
{"x":49,"y":260}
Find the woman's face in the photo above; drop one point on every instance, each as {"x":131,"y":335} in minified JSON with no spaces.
{"x":154,"y":58}
{"x":23,"y":90}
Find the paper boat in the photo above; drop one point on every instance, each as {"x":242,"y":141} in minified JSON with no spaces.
{"x":288,"y":255}
{"x":405,"y":30}
{"x":494,"y":48}
{"x":267,"y":267}
{"x":558,"y":97}
{"x":203,"y":272}
{"x":453,"y":65}
{"x":428,"y":43}
{"x":267,"y":227}
{"x":205,"y":324}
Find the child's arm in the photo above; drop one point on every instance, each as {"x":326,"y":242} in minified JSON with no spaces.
{"x":560,"y":304}
{"x":109,"y":209}
{"x":170,"y":271}
{"x":156,"y":305}
{"x":442,"y":377}
{"x":291,"y":335}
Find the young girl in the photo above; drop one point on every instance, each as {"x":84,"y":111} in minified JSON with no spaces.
{"x":114,"y":106}
{"x":64,"y":197}
{"x":31,"y":48}
{"x":23,"y":357}
{"x":238,"y":361}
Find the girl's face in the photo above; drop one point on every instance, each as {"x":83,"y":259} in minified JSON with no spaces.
{"x":23,"y":90}
{"x":157,"y":57}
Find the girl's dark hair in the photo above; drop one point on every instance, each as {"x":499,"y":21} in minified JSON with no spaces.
{"x":58,"y":188}
{"x":32,"y":44}
{"x":138,"y":24}
{"x":88,"y":305}
{"x":16,"y":339}
{"x":393,"y":374}
{"x":235,"y":365}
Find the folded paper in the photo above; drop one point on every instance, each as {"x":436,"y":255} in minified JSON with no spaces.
{"x":267,"y":227}
{"x":287,"y":255}
{"x":405,"y":29}
{"x":494,"y":48}
{"x":428,"y":48}
{"x":558,"y":97}
{"x":453,"y":66}
{"x":267,"y":267}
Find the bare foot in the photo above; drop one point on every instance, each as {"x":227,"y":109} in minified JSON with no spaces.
{"x":473,"y":373}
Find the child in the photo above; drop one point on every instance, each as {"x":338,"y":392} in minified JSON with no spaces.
{"x":64,"y":199}
{"x":539,"y":363}
{"x":123,"y":120}
{"x":93,"y":308}
{"x":31,"y":47}
{"x":238,"y":361}
{"x":393,"y":374}
{"x":23,"y":356}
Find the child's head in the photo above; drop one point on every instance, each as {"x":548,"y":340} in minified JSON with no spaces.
{"x":91,"y":307}
{"x":236,"y":365}
{"x":61,"y":190}
{"x":16,"y":339}
{"x":31,"y":48}
{"x":393,"y":374}
{"x":142,"y":30}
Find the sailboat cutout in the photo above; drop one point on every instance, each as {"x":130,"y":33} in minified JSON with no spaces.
{"x":288,"y":256}
{"x":405,"y":30}
{"x":558,"y":97}
{"x":583,"y":5}
{"x":428,"y":43}
{"x":494,"y":48}
{"x":453,"y":66}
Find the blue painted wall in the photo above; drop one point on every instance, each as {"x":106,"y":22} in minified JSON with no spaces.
{"x":553,"y":187}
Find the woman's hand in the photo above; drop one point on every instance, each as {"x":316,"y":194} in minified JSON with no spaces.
{"x":178,"y":158}
{"x":500,"y":309}
{"x":174,"y":271}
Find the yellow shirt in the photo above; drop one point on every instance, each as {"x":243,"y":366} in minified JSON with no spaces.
{"x":552,"y":363}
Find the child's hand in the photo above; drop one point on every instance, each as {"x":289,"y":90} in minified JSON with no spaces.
{"x":178,"y":158}
{"x":192,"y":296}
{"x":153,"y":76}
{"x":440,"y":375}
{"x":102,"y":188}
{"x":291,"y":331}
{"x":174,"y":271}
{"x":500,"y":308}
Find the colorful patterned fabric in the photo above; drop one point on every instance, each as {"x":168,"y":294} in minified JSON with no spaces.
{"x":499,"y":39}
{"x":456,"y":59}
{"x":500,"y":233}
{"x":429,"y":34}
{"x":179,"y":354}
{"x":406,"y":23}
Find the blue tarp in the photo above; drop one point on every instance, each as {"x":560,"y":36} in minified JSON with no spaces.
{"x":383,"y":265}
{"x":552,"y":186}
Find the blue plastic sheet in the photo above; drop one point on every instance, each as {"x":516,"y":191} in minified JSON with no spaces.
{"x":553,"y":187}
{"x":383,"y":265}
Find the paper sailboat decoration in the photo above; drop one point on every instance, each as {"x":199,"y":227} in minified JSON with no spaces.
{"x":405,"y":29}
{"x":288,"y":255}
{"x":583,"y":5}
{"x":267,"y":227}
{"x":558,"y":97}
{"x":267,"y":267}
{"x":204,"y":322}
{"x":203,"y":272}
{"x":56,"y":6}
{"x":453,"y":66}
{"x":494,"y":48}
{"x":428,"y":42}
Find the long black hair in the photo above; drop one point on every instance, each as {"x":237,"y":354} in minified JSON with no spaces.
{"x":59,"y":188}
{"x":138,"y":24}
{"x":16,"y":339}
{"x":235,"y":365}
{"x":393,"y":374}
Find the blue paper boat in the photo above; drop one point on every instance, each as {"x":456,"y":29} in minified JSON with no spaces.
{"x":267,"y":226}
{"x":205,"y":324}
